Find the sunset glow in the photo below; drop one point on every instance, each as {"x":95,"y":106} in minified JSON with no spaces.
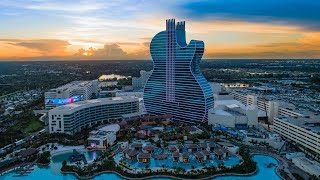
{"x":60,"y":30}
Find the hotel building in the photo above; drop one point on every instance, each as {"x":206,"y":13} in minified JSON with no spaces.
{"x":139,"y":82}
{"x":272,"y":108}
{"x":177,"y":86}
{"x":69,"y":93}
{"x":301,"y":131}
{"x":73,"y":117}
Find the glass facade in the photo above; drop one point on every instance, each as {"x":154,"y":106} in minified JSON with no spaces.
{"x":177,"y":86}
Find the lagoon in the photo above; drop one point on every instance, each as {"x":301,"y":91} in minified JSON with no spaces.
{"x":53,"y":172}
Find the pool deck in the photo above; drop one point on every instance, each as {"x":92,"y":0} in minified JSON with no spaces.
{"x":62,"y":149}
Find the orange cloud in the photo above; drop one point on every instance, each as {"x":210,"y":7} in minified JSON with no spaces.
{"x":276,"y":42}
{"x":307,"y":46}
{"x":15,"y":48}
{"x":112,"y":51}
{"x":9,"y":51}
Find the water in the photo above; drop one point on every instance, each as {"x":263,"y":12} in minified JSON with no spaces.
{"x":264,"y":173}
{"x":168,"y":163}
{"x":111,"y":77}
{"x":53,"y":171}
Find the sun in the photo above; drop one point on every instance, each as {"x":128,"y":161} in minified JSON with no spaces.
{"x":87,"y":54}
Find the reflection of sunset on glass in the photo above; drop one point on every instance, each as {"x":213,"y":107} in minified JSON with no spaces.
{"x":111,"y":30}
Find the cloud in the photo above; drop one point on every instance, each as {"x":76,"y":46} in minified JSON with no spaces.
{"x":302,"y":13}
{"x":10,"y":40}
{"x":265,"y":55}
{"x":108,"y":51}
{"x":306,"y":45}
{"x":53,"y":5}
{"x":302,"y":48}
{"x":45,"y":47}
{"x":112,"y":52}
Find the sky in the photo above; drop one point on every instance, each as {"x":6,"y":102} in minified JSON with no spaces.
{"x":123,"y":29}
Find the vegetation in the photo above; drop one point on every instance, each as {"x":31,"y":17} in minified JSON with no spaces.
{"x":248,"y":166}
{"x":64,"y":139}
{"x":44,"y":158}
{"x":297,"y":176}
{"x":196,"y":137}
{"x":25,"y":123}
{"x":36,"y":104}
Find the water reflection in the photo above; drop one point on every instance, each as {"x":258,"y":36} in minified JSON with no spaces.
{"x":112,"y":77}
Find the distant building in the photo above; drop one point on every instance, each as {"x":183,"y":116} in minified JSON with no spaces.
{"x":73,"y":117}
{"x":139,"y":82}
{"x":235,"y":85}
{"x":70,"y":93}
{"x":216,"y":87}
{"x":272,"y":108}
{"x":301,"y":131}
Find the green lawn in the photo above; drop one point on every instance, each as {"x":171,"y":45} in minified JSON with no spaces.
{"x":33,"y":126}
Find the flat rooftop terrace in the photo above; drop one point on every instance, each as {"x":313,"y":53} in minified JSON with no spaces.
{"x":72,"y":85}
{"x":93,"y":102}
{"x":312,"y":124}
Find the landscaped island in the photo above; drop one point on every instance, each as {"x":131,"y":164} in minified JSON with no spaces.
{"x":148,"y":147}
{"x":247,"y":167}
{"x":160,"y":147}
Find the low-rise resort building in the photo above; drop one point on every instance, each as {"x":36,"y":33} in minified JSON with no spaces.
{"x":144,"y":158}
{"x":103,"y":137}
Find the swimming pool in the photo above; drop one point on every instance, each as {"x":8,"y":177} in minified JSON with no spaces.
{"x":51,"y":173}
{"x":264,"y":173}
{"x":168,"y":163}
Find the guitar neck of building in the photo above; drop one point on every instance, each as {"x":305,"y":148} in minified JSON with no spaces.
{"x":170,"y":60}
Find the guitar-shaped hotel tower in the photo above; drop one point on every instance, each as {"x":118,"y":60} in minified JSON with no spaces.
{"x":177,"y":86}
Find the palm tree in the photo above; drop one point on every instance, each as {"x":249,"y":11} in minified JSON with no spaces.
{"x":221,"y":166}
{"x":253,"y":142}
{"x":64,"y":163}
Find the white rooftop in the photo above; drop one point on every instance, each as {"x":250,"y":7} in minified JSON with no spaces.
{"x":232,"y":106}
{"x":313,"y":165}
{"x":312,"y":123}
{"x":73,"y":85}
{"x":94,"y":102}
{"x":230,"y":103}
{"x":111,"y":128}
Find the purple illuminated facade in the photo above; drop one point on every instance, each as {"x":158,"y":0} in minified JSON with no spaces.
{"x":60,"y":101}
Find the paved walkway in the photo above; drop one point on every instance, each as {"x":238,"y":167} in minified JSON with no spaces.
{"x":295,"y":169}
